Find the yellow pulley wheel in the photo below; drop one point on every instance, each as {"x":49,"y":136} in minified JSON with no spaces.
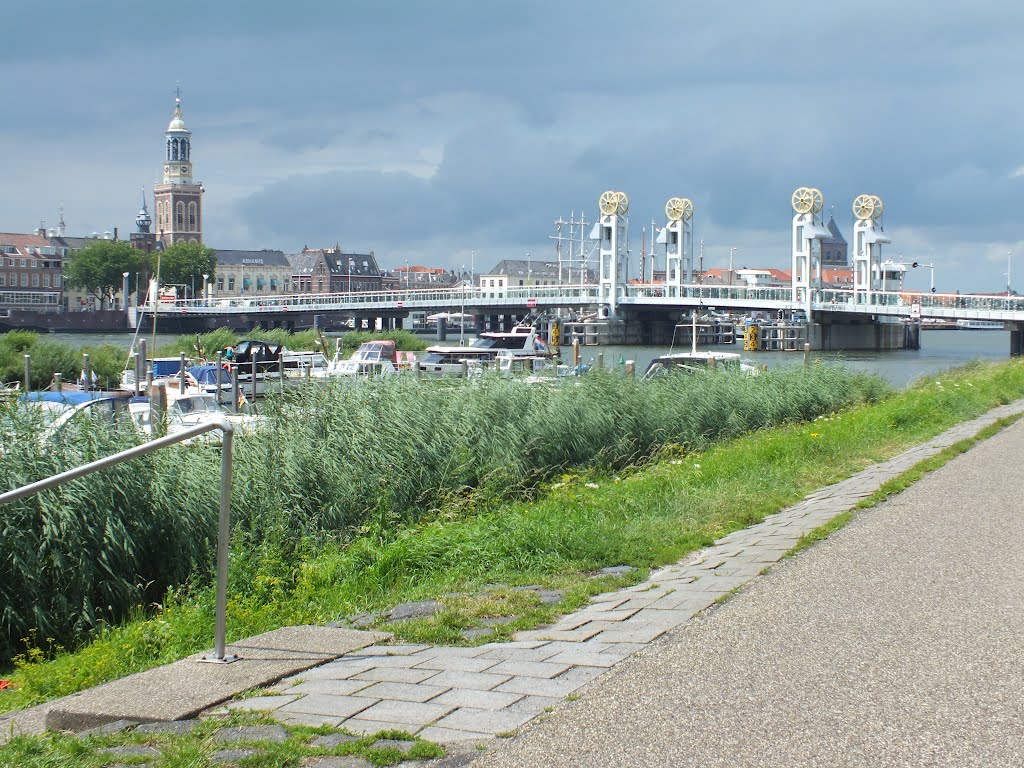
{"x":803,"y":200}
{"x":674,"y":209}
{"x":817,"y":200}
{"x":609,"y":202}
{"x":623,"y":203}
{"x":878,"y":207}
{"x":687,"y":209}
{"x":864,"y":207}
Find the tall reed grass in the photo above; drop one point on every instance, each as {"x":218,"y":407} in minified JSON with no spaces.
{"x":343,"y":458}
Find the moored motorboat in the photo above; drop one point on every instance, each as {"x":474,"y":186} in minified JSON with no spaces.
{"x":521,"y":341}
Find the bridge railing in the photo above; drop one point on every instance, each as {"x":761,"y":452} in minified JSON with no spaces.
{"x":938,"y":302}
{"x":711,"y":293}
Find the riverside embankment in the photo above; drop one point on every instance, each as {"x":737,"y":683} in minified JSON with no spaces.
{"x":614,"y":505}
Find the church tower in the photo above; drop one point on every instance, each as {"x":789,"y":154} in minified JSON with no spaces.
{"x":179,"y":199}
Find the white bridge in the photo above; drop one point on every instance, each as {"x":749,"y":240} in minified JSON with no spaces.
{"x":524,"y":300}
{"x":864,"y":316}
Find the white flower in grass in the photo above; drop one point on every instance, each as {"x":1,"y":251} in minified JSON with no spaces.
{"x":593,"y":485}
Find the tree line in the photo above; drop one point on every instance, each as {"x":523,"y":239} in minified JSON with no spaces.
{"x":99,"y":267}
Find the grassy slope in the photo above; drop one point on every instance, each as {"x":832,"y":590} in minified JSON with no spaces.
{"x":645,"y":518}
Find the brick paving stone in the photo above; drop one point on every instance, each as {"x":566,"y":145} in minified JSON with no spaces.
{"x":331,"y":740}
{"x":369,"y":727}
{"x":451,"y":651}
{"x":372,"y":662}
{"x":402,"y":691}
{"x":540,"y":669}
{"x":616,"y":615}
{"x":478,"y":699}
{"x":334,"y":670}
{"x":536,"y":704}
{"x":176,"y":727}
{"x":533,"y":687}
{"x":523,"y":644}
{"x":573,"y":635}
{"x":402,"y":745}
{"x":449,"y":735}
{"x":397,"y":675}
{"x":330,"y":686}
{"x":634,"y":635}
{"x":259,"y":703}
{"x":477,"y":681}
{"x":404,"y":712}
{"x":587,"y":659}
{"x":338,"y":761}
{"x":572,"y":621}
{"x":388,"y":650}
{"x":620,"y":650}
{"x":459,"y":663}
{"x":484,"y":720}
{"x":231,"y":734}
{"x":305,"y":718}
{"x":609,"y":597}
{"x":330,"y":706}
{"x":545,"y":651}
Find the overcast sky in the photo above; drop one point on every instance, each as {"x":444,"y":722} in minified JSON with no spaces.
{"x":428,"y":131}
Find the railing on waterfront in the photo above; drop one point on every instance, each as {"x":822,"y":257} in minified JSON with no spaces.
{"x":224,"y":521}
{"x":655,"y":294}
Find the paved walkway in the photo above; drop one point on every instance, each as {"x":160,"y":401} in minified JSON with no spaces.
{"x":452,"y":694}
{"x":896,"y":642}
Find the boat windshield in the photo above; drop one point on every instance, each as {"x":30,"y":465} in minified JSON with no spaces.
{"x":164,"y":368}
{"x":511,"y":341}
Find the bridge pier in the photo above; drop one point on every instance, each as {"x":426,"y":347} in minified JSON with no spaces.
{"x":1016,"y":339}
{"x":863,"y":334}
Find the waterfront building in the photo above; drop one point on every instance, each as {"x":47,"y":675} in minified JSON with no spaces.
{"x":331,"y":270}
{"x":252,"y":273}
{"x":518,"y":273}
{"x":178,"y":198}
{"x":30,"y":271}
{"x":423,"y":277}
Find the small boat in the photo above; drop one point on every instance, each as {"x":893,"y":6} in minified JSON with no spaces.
{"x":379,"y":357}
{"x":259,"y":364}
{"x":521,"y":341}
{"x":189,"y":410}
{"x":164,"y":370}
{"x":690,"y":362}
{"x":980,"y":325}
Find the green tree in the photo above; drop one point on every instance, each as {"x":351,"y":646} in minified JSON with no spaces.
{"x":186,"y":263}
{"x":99,"y":267}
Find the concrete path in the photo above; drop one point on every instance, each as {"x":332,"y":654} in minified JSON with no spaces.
{"x":899,"y":641}
{"x":468,"y":694}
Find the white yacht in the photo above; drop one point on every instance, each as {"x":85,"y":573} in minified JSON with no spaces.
{"x":521,"y":341}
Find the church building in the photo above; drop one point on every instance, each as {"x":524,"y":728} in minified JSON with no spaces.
{"x":178,"y":198}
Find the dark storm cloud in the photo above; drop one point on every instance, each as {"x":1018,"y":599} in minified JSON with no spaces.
{"x":463,"y":120}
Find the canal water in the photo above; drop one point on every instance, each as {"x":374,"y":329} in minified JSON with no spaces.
{"x":939,"y":350}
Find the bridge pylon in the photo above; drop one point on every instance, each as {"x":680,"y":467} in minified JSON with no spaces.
{"x":868,"y":238}
{"x":673,"y":236}
{"x":610,"y":233}
{"x":808,"y":232}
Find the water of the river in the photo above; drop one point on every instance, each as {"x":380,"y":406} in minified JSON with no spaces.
{"x":939,"y":350}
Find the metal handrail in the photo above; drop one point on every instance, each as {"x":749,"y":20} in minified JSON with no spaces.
{"x":215,"y":422}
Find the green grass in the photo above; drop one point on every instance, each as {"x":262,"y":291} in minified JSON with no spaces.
{"x":196,"y":748}
{"x":567,"y":525}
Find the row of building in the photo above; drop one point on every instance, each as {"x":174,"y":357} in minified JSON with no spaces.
{"x":31,"y":265}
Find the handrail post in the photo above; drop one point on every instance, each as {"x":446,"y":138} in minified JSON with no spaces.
{"x":181,"y":373}
{"x":28,"y":372}
{"x":220,"y":655}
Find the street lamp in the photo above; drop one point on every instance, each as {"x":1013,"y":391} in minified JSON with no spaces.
{"x":1008,"y":255}
{"x":206,"y":293}
{"x":732,"y":251}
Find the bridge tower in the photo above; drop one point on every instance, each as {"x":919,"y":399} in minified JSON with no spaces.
{"x":678,"y":260}
{"x":867,"y":247}
{"x":808,"y":232}
{"x":610,"y":234}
